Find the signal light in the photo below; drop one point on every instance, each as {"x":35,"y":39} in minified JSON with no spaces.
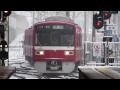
{"x":3,"y":44}
{"x":106,"y":15}
{"x":6,"y":13}
{"x":97,"y":21}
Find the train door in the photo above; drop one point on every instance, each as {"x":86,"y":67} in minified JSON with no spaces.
{"x":55,"y":43}
{"x":54,"y":50}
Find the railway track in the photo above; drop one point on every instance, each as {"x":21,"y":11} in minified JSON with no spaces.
{"x":24,"y":68}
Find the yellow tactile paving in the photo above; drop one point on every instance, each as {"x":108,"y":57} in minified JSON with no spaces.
{"x":109,"y":72}
{"x":93,"y":74}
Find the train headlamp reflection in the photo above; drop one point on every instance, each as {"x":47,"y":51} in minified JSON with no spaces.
{"x":39,"y":52}
{"x":69,"y":53}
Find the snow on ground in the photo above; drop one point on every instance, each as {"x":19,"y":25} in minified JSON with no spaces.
{"x":17,"y":59}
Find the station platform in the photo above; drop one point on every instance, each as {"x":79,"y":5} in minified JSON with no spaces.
{"x":6,"y":72}
{"x":98,"y":72}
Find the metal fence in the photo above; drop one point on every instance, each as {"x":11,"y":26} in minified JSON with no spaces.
{"x":101,"y":53}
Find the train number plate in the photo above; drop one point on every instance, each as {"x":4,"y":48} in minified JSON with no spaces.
{"x":54,"y":68}
{"x":54,"y":65}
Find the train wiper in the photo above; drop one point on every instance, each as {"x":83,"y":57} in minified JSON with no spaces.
{"x":70,"y":43}
{"x":39,"y":44}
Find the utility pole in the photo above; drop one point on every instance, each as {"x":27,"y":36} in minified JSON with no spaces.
{"x":38,"y":15}
{"x":74,"y":16}
{"x":33,"y":17}
{"x":93,"y":32}
{"x":93,"y":36}
{"x":85,"y":36}
{"x":68,"y":13}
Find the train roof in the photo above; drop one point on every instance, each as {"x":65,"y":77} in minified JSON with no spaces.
{"x":57,"y":19}
{"x":62,"y":22}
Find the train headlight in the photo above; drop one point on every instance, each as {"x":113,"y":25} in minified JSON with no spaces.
{"x":41,"y":52}
{"x":69,"y":53}
{"x":66,"y":52}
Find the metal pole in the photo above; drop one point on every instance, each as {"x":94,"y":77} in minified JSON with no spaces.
{"x":93,"y":37}
{"x":85,"y":36}
{"x":105,"y":58}
{"x":33,"y":17}
{"x":74,"y":16}
{"x":38,"y":16}
{"x":68,"y":13}
{"x":93,"y":32}
{"x":8,"y":41}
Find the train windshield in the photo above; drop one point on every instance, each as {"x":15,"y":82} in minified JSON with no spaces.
{"x":54,"y":35}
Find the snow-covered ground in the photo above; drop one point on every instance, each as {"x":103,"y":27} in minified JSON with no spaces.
{"x":17,"y":59}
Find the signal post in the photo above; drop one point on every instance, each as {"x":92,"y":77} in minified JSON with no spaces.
{"x":99,"y":20}
{"x":5,"y":71}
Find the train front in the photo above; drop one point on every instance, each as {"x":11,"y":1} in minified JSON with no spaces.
{"x":54,"y":48}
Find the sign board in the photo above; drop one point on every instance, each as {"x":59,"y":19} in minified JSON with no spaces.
{"x":97,"y":49}
{"x":108,"y":32}
{"x":100,"y":31}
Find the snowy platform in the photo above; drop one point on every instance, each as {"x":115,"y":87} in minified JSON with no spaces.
{"x":98,"y":72}
{"x":6,"y":72}
{"x":91,"y":73}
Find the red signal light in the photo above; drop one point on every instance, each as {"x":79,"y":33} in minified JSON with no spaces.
{"x":6,"y":13}
{"x":98,"y":23}
{"x":105,"y":14}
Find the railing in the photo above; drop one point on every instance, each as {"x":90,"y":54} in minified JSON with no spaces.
{"x":99,"y":53}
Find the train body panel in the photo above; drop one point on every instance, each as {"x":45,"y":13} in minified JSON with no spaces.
{"x":53,"y":44}
{"x":66,"y":67}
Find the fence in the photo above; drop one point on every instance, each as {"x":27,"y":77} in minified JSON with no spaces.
{"x":99,"y":53}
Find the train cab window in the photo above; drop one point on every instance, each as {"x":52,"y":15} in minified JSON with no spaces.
{"x":42,"y":38}
{"x":55,"y":38}
{"x":54,"y":35}
{"x":67,"y":38}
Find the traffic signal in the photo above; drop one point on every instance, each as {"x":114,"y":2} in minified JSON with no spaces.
{"x":106,"y":15}
{"x":5,"y":15}
{"x":97,"y":21}
{"x":3,"y":44}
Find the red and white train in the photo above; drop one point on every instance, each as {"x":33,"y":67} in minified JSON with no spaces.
{"x":53,"y":46}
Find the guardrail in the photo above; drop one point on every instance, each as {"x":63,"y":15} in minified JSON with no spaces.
{"x":96,"y":54}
